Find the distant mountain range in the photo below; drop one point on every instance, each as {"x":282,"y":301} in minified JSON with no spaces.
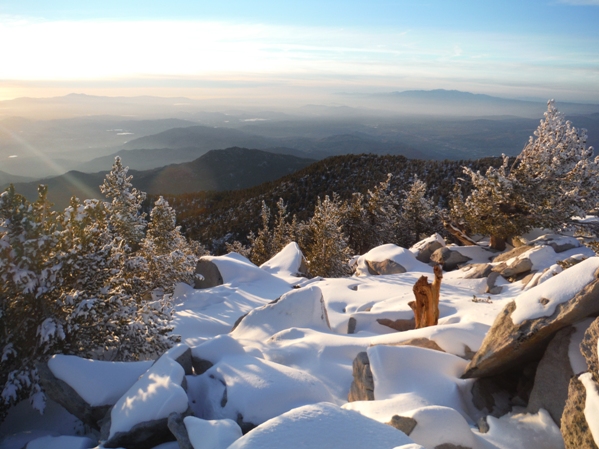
{"x":217,"y":170}
{"x":6,"y":178}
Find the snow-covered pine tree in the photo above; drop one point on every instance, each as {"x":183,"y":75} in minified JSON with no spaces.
{"x":29,"y":275}
{"x":169,"y":257}
{"x":554,"y":178}
{"x":418,"y":217}
{"x":382,"y":212}
{"x":125,"y":216}
{"x":328,"y":252}
{"x":261,"y":243}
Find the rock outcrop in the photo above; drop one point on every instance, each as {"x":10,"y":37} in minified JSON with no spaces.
{"x":209,"y":273}
{"x":509,"y":343}
{"x":451,"y":260}
{"x":362,"y":387}
{"x":574,"y":426}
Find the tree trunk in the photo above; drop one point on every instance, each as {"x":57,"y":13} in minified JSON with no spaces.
{"x":497,"y":243}
{"x":426,"y":306}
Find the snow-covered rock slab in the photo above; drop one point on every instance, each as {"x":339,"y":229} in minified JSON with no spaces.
{"x":303,"y":307}
{"x":250,"y":391}
{"x":215,"y":434}
{"x":408,"y":378}
{"x":423,"y":249}
{"x":140,"y":416}
{"x":289,"y":262}
{"x":398,"y":259}
{"x":525,"y":326}
{"x":212,"y":351}
{"x":322,"y":426}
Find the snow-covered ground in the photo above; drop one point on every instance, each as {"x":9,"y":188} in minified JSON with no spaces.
{"x":287,"y":366}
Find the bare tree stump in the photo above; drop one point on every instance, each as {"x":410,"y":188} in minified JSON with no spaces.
{"x":426,"y":306}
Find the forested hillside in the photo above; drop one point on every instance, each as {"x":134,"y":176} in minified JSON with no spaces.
{"x":209,"y":216}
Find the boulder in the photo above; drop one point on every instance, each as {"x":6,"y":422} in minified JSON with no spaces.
{"x":62,"y":393}
{"x":403,"y":423}
{"x":441,"y":428}
{"x":477,"y":270}
{"x":421,"y":343}
{"x":574,"y":426}
{"x":215,"y":434}
{"x":290,"y":261}
{"x":559,"y":243}
{"x":177,"y":427}
{"x":588,"y":347}
{"x":322,"y":425}
{"x":384,"y":267}
{"x":518,"y":266}
{"x":399,"y":325}
{"x":209,"y":272}
{"x":139,"y":419}
{"x":362,"y":387}
{"x":552,"y":379}
{"x":425,"y":248}
{"x":491,"y":287}
{"x":525,"y":326}
{"x":448,"y":258}
{"x":503,"y":257}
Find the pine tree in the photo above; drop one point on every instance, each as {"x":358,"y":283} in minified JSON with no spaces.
{"x":261,"y":243}
{"x":382,"y":210}
{"x":125,"y":216}
{"x":418,"y":217}
{"x":328,"y":252}
{"x":554,"y":178}
{"x":170,"y":259}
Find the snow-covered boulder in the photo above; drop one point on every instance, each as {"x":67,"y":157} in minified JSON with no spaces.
{"x":139,"y":418}
{"x":208,"y":274}
{"x":251,"y":391}
{"x":525,"y":326}
{"x":88,"y":388}
{"x":210,"y":352}
{"x":288,"y":262}
{"x":451,"y":260}
{"x":388,"y":259}
{"x":441,"y":427}
{"x":425,"y":248}
{"x":558,"y":242}
{"x":302,"y":307}
{"x":323,"y":426}
{"x":215,"y":434}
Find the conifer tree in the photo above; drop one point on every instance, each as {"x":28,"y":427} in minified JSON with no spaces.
{"x":125,"y":216}
{"x":382,"y":210}
{"x":261,"y":243}
{"x":554,"y":178}
{"x":418,"y":217}
{"x":328,"y":252}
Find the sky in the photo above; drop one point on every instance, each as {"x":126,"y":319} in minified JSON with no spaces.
{"x":303,"y":50}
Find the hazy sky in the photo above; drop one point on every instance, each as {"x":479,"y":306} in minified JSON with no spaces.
{"x":303,"y":49}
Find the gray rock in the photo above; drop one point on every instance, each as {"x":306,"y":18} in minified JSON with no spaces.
{"x":178,"y":429}
{"x":477,"y":270}
{"x":491,"y":287}
{"x":483,"y":425}
{"x":384,"y":267}
{"x":62,"y":393}
{"x":449,"y":259}
{"x":552,"y":378}
{"x":185,"y":360}
{"x":351,"y":325}
{"x":517,"y":267}
{"x":362,"y":387}
{"x":200,"y":366}
{"x":210,"y":273}
{"x":425,"y":253}
{"x":403,"y":424}
{"x":513,"y":253}
{"x":559,"y":243}
{"x":588,"y":348}
{"x":574,"y":427}
{"x":507,"y":345}
{"x":145,"y":435}
{"x":420,"y":343}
